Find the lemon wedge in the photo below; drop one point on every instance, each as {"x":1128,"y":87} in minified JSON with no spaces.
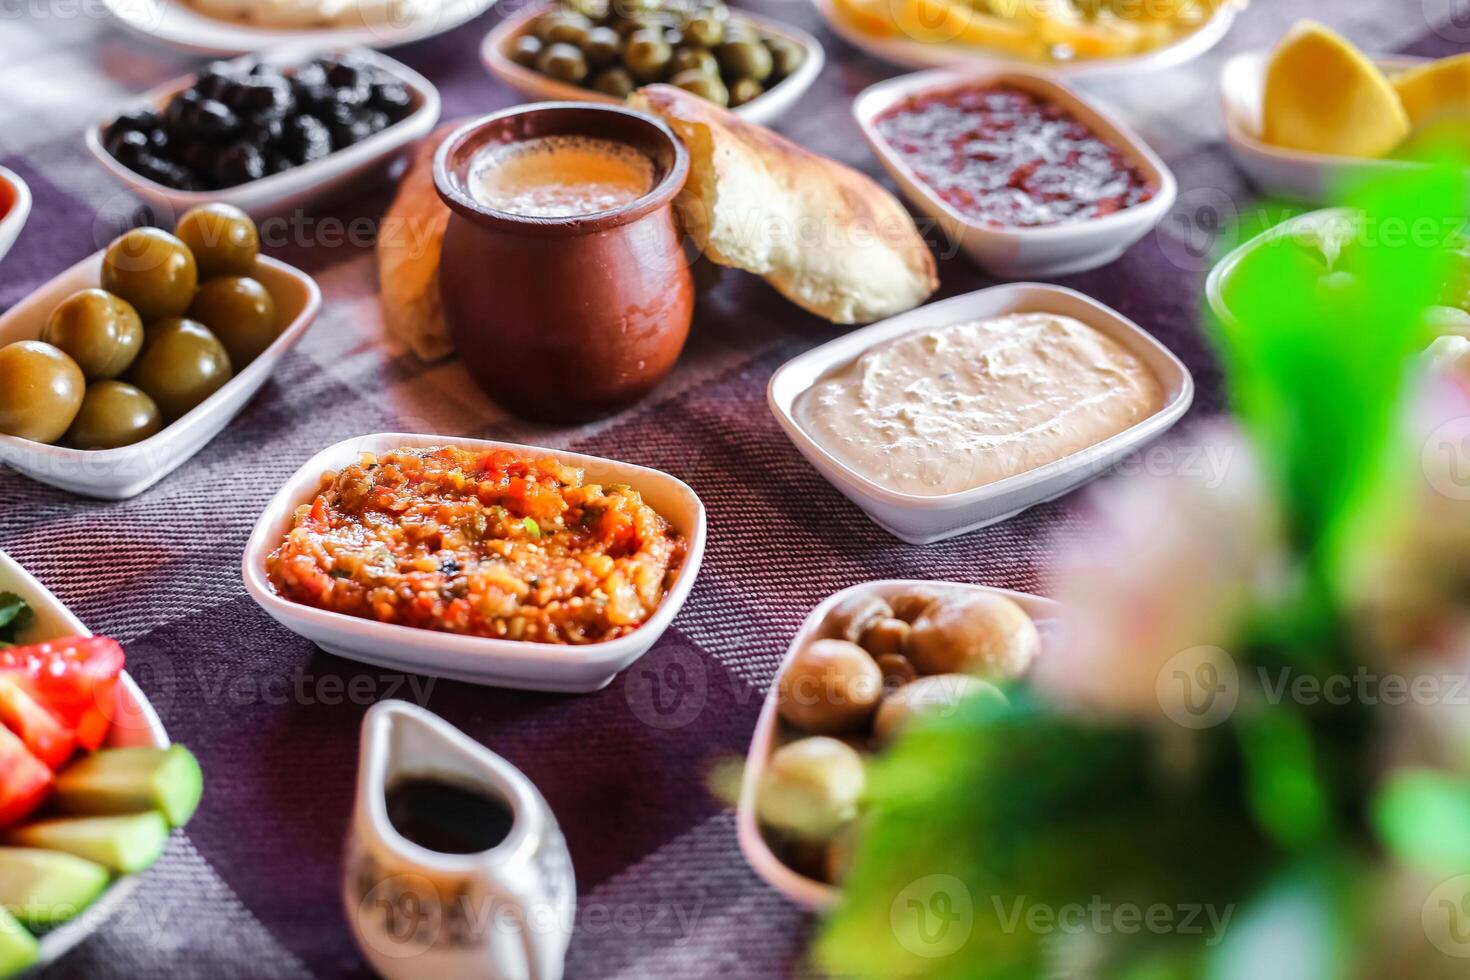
{"x":1436,"y":90}
{"x":1323,"y":96}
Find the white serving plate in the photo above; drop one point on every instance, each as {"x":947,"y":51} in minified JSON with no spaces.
{"x":1023,"y":253}
{"x":808,"y":892}
{"x":116,"y":474}
{"x":495,"y":53}
{"x":142,"y":729}
{"x":178,"y":25}
{"x":924,"y":520}
{"x":290,"y":188}
{"x":908,"y":53}
{"x":15,"y":218}
{"x":473,"y":659}
{"x":1315,"y":178}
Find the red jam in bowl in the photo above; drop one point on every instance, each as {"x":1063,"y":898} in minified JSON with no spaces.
{"x":7,"y":197}
{"x":1007,"y":158}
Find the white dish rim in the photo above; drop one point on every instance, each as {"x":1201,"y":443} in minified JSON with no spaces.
{"x":14,"y":221}
{"x":269,"y":529}
{"x":835,"y":354}
{"x":808,"y":892}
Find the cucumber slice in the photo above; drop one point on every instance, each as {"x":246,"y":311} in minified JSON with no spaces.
{"x":126,"y":844}
{"x":18,"y":948}
{"x":44,"y":888}
{"x":117,"y":781}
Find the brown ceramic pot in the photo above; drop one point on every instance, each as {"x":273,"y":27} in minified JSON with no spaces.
{"x":565,"y":319}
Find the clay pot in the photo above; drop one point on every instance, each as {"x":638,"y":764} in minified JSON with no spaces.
{"x":565,"y":319}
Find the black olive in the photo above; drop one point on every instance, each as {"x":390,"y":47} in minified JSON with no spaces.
{"x":265,"y":94}
{"x":393,"y":98}
{"x":215,"y":121}
{"x":277,"y":161}
{"x":142,"y":120}
{"x":346,"y":134}
{"x":309,"y":76}
{"x":307,"y":139}
{"x":376,"y":120}
{"x":344,"y":74}
{"x":239,"y":164}
{"x":215,"y":80}
{"x":160,"y":141}
{"x":164,"y":172}
{"x":356,"y":95}
{"x":201,"y":158}
{"x":127,"y":145}
{"x":176,"y":116}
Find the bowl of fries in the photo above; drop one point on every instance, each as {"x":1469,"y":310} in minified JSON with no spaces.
{"x":1072,"y":37}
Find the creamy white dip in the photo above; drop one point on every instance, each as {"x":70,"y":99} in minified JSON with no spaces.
{"x":947,"y":410}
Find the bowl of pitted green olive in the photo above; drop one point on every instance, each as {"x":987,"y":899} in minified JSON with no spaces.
{"x":601,"y":50}
{"x":125,"y":365}
{"x":867,"y":663}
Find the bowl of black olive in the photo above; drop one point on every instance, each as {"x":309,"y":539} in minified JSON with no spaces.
{"x":601,"y":50}
{"x":267,"y":132}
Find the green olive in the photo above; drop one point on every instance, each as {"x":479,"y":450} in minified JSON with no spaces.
{"x":182,"y":364}
{"x":674,"y":36}
{"x":745,"y":59}
{"x":811,"y":788}
{"x":240,"y":312}
{"x":615,"y":82}
{"x":570,"y":27}
{"x":603,"y":47}
{"x":740,"y":30}
{"x":695,"y":59}
{"x":543,"y":25}
{"x":223,"y":239}
{"x":113,"y":414}
{"x":647,"y":55}
{"x":706,"y":86}
{"x":745,"y":90}
{"x":153,"y":271}
{"x":526,"y":49}
{"x":591,"y":9}
{"x":786,"y":55}
{"x":704,"y":28}
{"x":97,"y":330}
{"x":41,"y":390}
{"x":563,"y":62}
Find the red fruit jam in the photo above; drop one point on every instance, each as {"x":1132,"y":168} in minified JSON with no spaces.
{"x":7,"y":197}
{"x":1008,"y":158}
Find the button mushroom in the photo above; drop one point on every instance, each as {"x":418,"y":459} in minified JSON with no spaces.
{"x":926,"y":696}
{"x":983,"y":634}
{"x":830,"y":686}
{"x":811,"y":788}
{"x":850,"y":617}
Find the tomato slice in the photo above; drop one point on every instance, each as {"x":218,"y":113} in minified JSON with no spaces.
{"x":75,"y":678}
{"x":24,"y":780}
{"x":44,"y":735}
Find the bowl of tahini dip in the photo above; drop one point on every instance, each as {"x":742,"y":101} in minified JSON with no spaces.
{"x":968,"y":411}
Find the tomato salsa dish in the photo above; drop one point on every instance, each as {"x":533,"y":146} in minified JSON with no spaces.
{"x":479,"y":542}
{"x":1007,"y":158}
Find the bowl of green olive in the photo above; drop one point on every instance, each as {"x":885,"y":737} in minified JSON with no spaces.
{"x":601,"y":50}
{"x":867,"y":663}
{"x":120,"y":369}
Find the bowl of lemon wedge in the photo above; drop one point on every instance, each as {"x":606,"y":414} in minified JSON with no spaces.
{"x":1314,"y":114}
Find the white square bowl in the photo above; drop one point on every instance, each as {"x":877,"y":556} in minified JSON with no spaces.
{"x":292,"y":188}
{"x":143,"y":729}
{"x":1313,"y":178}
{"x":473,"y":659}
{"x":1021,"y":253}
{"x":14,"y":219}
{"x":924,"y":520}
{"x":116,"y":474}
{"x":808,"y":892}
{"x":495,"y":53}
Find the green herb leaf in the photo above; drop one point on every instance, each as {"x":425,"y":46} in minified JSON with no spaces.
{"x":532,"y":528}
{"x":15,"y":615}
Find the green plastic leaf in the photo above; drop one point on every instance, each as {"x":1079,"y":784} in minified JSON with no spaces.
{"x":1423,"y":818}
{"x":1287,"y":793}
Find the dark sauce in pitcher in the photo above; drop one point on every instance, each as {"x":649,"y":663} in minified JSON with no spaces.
{"x":448,"y":818}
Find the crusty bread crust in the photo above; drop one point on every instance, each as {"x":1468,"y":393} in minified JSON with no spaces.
{"x":410,"y":240}
{"x":827,"y":237}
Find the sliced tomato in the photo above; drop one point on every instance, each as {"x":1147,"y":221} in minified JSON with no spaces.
{"x":75,"y":678}
{"x":44,"y":735}
{"x":24,"y":780}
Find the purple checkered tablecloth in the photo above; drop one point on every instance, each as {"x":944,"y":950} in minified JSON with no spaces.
{"x":251,"y":890}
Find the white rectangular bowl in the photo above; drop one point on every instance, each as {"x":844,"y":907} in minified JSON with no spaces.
{"x":116,"y":474}
{"x":473,"y":659}
{"x":292,"y":188}
{"x":924,"y":520}
{"x":808,"y":892}
{"x":1313,"y":178}
{"x":495,"y":53}
{"x":54,"y":621}
{"x":14,"y":219}
{"x":1022,"y":253}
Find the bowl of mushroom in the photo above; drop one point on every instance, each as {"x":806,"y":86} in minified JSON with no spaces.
{"x":867,"y":663}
